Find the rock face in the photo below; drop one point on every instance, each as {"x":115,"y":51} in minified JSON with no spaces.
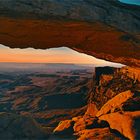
{"x":101,"y":72}
{"x":110,"y":12}
{"x":132,"y":73}
{"x":117,"y":97}
{"x":111,"y":120}
{"x":122,"y":115}
{"x":84,"y":128}
{"x":122,"y":111}
{"x":91,"y":110}
{"x":113,"y":32}
{"x":115,"y":103}
{"x":109,"y":85}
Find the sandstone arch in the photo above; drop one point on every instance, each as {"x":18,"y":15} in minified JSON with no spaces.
{"x":107,"y":29}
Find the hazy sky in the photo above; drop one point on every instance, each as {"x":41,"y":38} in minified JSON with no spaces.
{"x":54,"y":55}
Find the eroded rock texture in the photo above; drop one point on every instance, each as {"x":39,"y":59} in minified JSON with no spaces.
{"x":103,"y":28}
{"x":111,"y":12}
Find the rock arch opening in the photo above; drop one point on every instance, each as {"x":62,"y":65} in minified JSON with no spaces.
{"x":54,"y":55}
{"x":56,"y":79}
{"x":58,"y":84}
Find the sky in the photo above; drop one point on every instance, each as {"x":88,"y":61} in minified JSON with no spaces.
{"x":137,"y":2}
{"x":53,"y":55}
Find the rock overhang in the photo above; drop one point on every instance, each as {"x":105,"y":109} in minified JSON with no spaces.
{"x":107,"y":29}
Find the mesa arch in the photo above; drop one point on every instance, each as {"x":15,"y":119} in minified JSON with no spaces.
{"x":107,"y":29}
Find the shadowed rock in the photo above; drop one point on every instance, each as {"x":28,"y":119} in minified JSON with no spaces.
{"x":14,"y":126}
{"x":105,"y":29}
{"x":98,"y":134}
{"x":111,"y":12}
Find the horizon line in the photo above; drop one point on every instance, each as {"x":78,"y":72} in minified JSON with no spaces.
{"x":47,"y":63}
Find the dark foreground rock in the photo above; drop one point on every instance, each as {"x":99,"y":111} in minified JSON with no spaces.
{"x":14,"y":127}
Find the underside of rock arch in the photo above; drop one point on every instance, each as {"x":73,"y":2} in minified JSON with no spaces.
{"x":106,"y":29}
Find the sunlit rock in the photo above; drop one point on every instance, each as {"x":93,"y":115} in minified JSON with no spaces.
{"x":91,"y":110}
{"x":127,"y":123}
{"x":115,"y":103}
{"x":64,"y":128}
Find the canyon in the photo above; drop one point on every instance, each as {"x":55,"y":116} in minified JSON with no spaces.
{"x":71,"y":104}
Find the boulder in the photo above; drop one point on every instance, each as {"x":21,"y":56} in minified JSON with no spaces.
{"x":64,"y":128}
{"x":127,"y":123}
